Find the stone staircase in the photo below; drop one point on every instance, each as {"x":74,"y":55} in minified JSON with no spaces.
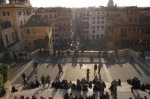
{"x":124,"y":92}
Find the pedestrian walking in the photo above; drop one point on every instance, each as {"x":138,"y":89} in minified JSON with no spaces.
{"x":131,"y":59}
{"x":48,"y":80}
{"x":61,"y":69}
{"x":24,"y":79}
{"x":95,"y":67}
{"x":35,"y":66}
{"x":43,"y":80}
{"x":88,"y":72}
{"x":99,"y":67}
{"x":59,"y":66}
{"x":23,"y":76}
{"x":25,"y":82}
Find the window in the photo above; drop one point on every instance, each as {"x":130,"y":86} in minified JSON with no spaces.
{"x":102,"y":27}
{"x":93,"y":27}
{"x":25,"y":21}
{"x":87,"y":32}
{"x":87,"y":27}
{"x":93,"y":37}
{"x":146,"y":42}
{"x":101,"y":35}
{"x":102,"y":17}
{"x":130,"y":19}
{"x":7,"y":39}
{"x":98,"y":17}
{"x":6,"y":13}
{"x":29,"y":42}
{"x":33,"y":30}
{"x":87,"y":18}
{"x":28,"y":31}
{"x":21,"y":23}
{"x":102,"y":22}
{"x":140,"y":31}
{"x":123,"y":32}
{"x":93,"y":22}
{"x":129,"y":29}
{"x":19,"y":12}
{"x":87,"y":13}
{"x":55,"y":25}
{"x":98,"y":27}
{"x":135,"y":19}
{"x":134,"y":29}
{"x":147,"y":31}
{"x":93,"y":31}
{"x":97,"y":36}
{"x":16,"y":35}
{"x":13,"y":36}
{"x":98,"y":22}
{"x":6,"y":24}
{"x":24,"y":12}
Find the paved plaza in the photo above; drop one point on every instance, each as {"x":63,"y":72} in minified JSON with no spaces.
{"x":76,"y":68}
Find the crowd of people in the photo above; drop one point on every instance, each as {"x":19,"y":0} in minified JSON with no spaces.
{"x":80,"y":85}
{"x":84,"y":85}
{"x":33,"y":97}
{"x":71,"y":96}
{"x":136,"y":84}
{"x":36,"y":83}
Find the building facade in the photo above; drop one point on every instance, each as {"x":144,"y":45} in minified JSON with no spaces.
{"x":12,"y":17}
{"x":128,"y":27}
{"x":61,"y":20}
{"x":38,"y":33}
{"x":92,"y":24}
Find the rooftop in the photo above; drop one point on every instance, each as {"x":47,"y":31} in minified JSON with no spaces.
{"x":15,"y":5}
{"x":36,"y":21}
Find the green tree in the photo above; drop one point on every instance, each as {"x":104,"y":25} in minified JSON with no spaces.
{"x":4,"y":76}
{"x":4,"y":70}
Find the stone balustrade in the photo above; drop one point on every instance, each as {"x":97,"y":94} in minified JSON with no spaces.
{"x":92,"y":53}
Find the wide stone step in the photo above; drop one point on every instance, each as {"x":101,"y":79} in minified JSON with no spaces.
{"x":123,"y":92}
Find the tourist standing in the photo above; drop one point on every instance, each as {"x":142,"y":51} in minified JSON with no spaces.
{"x":43,"y":80}
{"x":95,"y":67}
{"x":48,"y":80}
